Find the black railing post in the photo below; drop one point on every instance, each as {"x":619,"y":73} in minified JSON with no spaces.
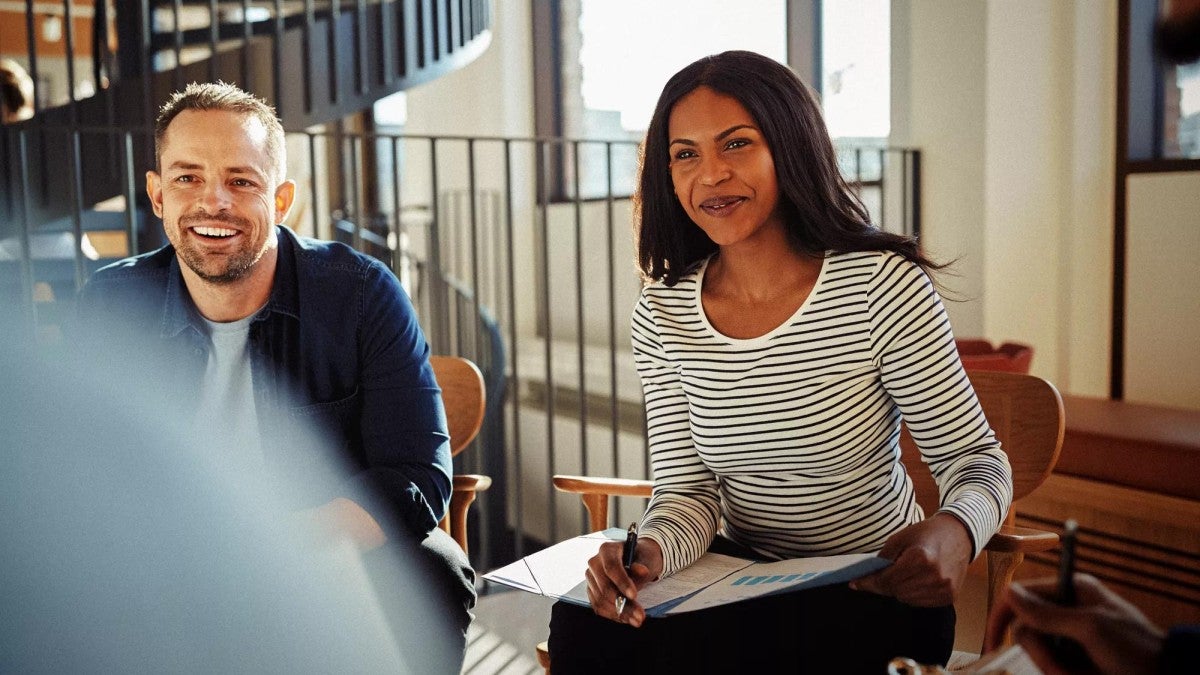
{"x":513,"y":350}
{"x":577,"y":207}
{"x":130,"y":185}
{"x":548,"y":331}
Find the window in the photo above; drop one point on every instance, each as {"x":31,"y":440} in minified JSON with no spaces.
{"x":601,"y":65}
{"x":856,"y":83}
{"x":1181,"y":112}
{"x":616,"y":55}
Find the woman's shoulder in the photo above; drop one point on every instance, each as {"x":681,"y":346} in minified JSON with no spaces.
{"x":681,"y":290}
{"x":875,"y":262}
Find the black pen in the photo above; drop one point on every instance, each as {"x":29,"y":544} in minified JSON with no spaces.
{"x":1068,"y":652}
{"x":627,"y":560}
{"x":1066,"y":565}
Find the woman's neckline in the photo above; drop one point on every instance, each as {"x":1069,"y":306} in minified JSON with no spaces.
{"x":768,"y":335}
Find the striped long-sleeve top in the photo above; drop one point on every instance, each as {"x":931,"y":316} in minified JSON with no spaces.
{"x":790,"y":441}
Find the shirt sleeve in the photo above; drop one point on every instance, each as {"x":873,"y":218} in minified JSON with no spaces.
{"x":914,"y":347}
{"x":1181,"y":650}
{"x":406,"y":444}
{"x":684,"y":509}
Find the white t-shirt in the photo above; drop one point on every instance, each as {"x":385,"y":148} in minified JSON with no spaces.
{"x":226,"y":412}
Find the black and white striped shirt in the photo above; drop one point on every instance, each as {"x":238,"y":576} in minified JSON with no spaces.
{"x":791,"y":439}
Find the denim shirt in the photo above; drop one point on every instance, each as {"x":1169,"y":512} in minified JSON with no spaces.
{"x":340,"y":371}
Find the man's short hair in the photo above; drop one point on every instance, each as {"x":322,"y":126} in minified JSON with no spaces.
{"x":228,"y":98}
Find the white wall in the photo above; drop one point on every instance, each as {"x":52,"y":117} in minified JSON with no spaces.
{"x":938,"y":77}
{"x":492,"y":95}
{"x":1012,"y":103}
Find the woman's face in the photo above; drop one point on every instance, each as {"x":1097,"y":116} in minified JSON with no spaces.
{"x":721,"y":167}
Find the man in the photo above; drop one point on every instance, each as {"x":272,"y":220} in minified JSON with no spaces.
{"x":289,"y":350}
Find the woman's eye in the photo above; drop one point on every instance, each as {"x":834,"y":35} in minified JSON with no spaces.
{"x":685,"y":154}
{"x":737,"y":143}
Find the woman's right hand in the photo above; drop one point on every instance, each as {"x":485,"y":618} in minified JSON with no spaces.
{"x":607,"y":579}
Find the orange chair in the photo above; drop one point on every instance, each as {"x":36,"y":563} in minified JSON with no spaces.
{"x":463,"y":397}
{"x":1010,"y":357}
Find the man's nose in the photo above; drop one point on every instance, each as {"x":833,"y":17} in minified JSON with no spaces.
{"x":215,"y":197}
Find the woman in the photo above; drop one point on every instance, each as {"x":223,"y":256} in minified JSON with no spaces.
{"x":780,"y":340}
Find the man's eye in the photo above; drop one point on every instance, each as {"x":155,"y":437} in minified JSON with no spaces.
{"x":185,"y":179}
{"x":242,"y":182}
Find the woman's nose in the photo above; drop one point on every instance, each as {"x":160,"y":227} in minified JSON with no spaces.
{"x":714,"y":171}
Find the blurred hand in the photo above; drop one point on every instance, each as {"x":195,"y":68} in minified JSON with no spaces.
{"x":340,"y":519}
{"x":1116,"y":636}
{"x":929,"y":562}
{"x":606,"y":579}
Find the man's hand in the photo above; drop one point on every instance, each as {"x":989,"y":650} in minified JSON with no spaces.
{"x":1116,"y":636}
{"x":929,"y":561}
{"x":606,"y":579}
{"x":342,"y":518}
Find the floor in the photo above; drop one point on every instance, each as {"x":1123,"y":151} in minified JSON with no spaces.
{"x":508,"y":625}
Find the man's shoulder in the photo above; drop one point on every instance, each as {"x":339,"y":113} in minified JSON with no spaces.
{"x":331,"y":255}
{"x":149,"y":265}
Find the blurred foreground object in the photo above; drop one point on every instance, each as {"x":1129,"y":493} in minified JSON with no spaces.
{"x":125,"y":554}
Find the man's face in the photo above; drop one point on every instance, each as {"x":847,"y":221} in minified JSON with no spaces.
{"x":217,"y":194}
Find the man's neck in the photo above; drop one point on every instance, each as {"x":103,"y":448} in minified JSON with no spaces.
{"x":225,"y":302}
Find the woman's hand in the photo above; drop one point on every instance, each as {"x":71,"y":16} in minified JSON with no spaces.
{"x":607,"y":579}
{"x":1115,"y":635}
{"x":929,"y":562}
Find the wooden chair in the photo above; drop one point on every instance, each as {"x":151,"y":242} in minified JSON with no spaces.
{"x":463,"y":397}
{"x":1010,"y":357}
{"x":1025,"y":411}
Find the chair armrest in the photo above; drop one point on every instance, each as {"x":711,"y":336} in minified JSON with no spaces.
{"x":595,"y":493}
{"x":1012,"y":539}
{"x":620,"y":487}
{"x":455,"y":521}
{"x":469,"y":482}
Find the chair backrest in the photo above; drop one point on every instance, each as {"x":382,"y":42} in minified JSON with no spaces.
{"x":1026,"y":413}
{"x":1010,"y":357}
{"x":463,"y":396}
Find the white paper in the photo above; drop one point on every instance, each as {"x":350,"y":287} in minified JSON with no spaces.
{"x":714,"y":579}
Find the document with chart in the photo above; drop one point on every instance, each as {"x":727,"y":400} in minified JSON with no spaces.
{"x":558,"y":572}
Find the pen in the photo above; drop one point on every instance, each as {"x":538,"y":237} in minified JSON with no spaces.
{"x":1066,"y":565}
{"x":627,"y":553}
{"x":1068,"y":652}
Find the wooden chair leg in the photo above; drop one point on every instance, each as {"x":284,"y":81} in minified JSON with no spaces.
{"x":1001,"y":567}
{"x":597,"y":508}
{"x":459,"y":502}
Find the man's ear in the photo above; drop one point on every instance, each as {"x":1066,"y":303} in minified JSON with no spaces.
{"x":285,"y":194}
{"x":154,"y":190}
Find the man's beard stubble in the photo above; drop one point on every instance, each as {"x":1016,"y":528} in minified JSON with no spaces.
{"x":237,"y":264}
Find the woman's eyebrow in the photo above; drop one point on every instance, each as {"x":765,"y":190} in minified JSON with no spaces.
{"x":719,"y":137}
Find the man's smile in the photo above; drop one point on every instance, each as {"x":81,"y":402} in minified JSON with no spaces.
{"x":214,"y":232}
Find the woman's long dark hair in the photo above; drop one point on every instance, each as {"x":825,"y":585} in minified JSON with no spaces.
{"x":820,"y":210}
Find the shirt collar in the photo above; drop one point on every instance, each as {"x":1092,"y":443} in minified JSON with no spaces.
{"x":180,"y":313}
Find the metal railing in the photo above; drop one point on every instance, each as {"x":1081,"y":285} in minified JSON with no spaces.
{"x":538,"y":292}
